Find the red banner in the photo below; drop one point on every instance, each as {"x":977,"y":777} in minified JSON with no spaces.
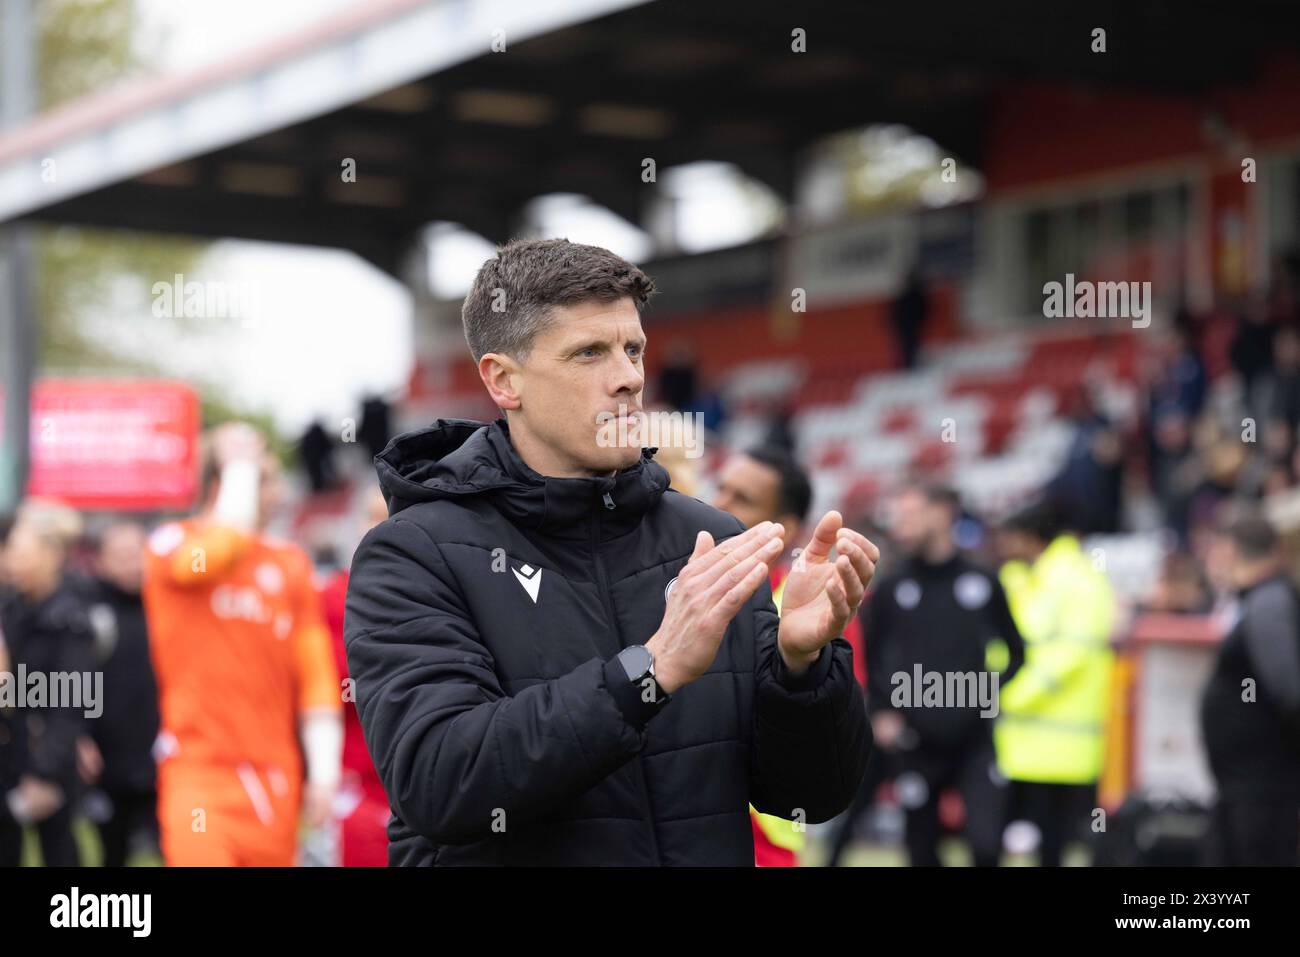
{"x":120,"y":445}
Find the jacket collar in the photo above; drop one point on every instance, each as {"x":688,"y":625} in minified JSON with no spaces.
{"x":462,"y":459}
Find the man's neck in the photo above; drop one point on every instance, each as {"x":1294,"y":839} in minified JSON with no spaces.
{"x":42,"y":590}
{"x":938,"y":552}
{"x":544,"y":460}
{"x":1257,"y":573}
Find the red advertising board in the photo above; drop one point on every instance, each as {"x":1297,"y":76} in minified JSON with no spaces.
{"x":122,"y":445}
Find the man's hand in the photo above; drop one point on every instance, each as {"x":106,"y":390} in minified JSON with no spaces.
{"x":237,"y":442}
{"x":90,"y":763}
{"x":36,"y":799}
{"x":886,"y":726}
{"x":317,"y":804}
{"x":821,"y":596}
{"x":709,"y":592}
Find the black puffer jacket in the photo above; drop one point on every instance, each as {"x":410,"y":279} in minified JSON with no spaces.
{"x":482,"y":622}
{"x":49,"y":637}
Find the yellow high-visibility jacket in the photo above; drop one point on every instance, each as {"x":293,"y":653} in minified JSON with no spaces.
{"x":1051,"y":713}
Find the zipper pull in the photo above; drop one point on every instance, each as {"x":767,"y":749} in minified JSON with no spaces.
{"x":609,"y":500}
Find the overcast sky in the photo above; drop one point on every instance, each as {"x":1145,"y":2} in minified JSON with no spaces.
{"x":332,"y":326}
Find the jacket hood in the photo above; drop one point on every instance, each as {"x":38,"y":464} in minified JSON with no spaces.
{"x":463,"y":459}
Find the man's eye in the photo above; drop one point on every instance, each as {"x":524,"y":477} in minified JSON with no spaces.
{"x":635,"y":350}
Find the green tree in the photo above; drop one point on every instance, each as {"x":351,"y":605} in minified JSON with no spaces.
{"x":85,"y":46}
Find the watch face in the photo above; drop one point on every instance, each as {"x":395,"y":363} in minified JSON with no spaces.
{"x":636,"y":661}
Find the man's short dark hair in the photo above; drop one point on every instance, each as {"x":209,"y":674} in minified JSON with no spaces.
{"x":1041,"y":520}
{"x":511,"y":299}
{"x":936,"y":493}
{"x":1252,"y":533}
{"x":794,"y":490}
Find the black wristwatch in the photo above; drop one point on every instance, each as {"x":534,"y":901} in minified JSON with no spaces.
{"x":639,"y":663}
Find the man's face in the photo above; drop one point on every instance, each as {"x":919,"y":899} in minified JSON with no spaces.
{"x":121,"y":556}
{"x":1017,"y":545}
{"x":582,"y":372}
{"x":32,"y":561}
{"x":916,"y":521}
{"x":749,"y":490}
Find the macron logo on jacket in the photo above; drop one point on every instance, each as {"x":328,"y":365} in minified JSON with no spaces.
{"x":530,"y":578}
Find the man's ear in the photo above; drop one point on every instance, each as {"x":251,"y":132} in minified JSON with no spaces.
{"x":501,"y":376}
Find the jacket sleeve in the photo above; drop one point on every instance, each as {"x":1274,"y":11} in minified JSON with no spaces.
{"x":459,"y":758}
{"x":1004,"y":627}
{"x":194,"y":553}
{"x":811,"y":734}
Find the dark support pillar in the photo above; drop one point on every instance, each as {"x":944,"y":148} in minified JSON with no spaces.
{"x":17,"y":305}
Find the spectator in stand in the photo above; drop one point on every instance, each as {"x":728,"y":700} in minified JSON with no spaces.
{"x":1251,"y":353}
{"x":316,"y":449}
{"x":1176,"y":400}
{"x":1088,"y":486}
{"x":1280,"y":391}
{"x":376,"y":427}
{"x":678,"y":379}
{"x":910,"y":312}
{"x":1182,"y":587}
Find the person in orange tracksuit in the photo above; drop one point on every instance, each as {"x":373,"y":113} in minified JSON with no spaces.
{"x":244,"y":668}
{"x":759,"y":485}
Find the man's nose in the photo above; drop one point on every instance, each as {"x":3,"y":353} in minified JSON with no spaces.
{"x":628,"y":378}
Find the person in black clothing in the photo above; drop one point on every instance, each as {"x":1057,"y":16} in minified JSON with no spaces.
{"x":125,"y":732}
{"x":555,"y":664}
{"x":1251,"y":355}
{"x":939,"y":612}
{"x":316,"y":450}
{"x":677,"y":378}
{"x":375,"y":428}
{"x":46,"y":632}
{"x":1250,"y":708}
{"x":909,"y":313}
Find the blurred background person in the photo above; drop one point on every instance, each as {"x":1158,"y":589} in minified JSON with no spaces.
{"x":375,"y":428}
{"x":1181,"y":589}
{"x":1049,"y":734}
{"x":1250,"y":707}
{"x":362,"y":805}
{"x":244,"y":667}
{"x":682,"y":459}
{"x":938,"y":611}
{"x":767,"y":485}
{"x":910,"y":311}
{"x":118,"y":755}
{"x":46,"y":631}
{"x":316,"y":452}
{"x":1089,"y":484}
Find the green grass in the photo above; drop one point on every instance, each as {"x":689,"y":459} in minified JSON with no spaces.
{"x":953,"y":852}
{"x":92,"y":852}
